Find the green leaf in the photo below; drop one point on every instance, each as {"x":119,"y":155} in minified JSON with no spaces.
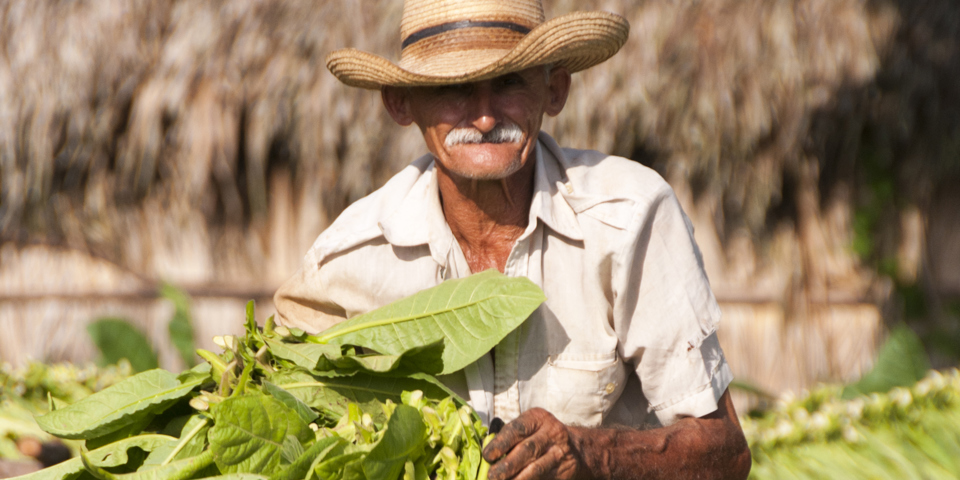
{"x":314,"y":455}
{"x":901,"y":361}
{"x":112,"y":455}
{"x":469,"y":461}
{"x":306,"y":355}
{"x":130,"y":429}
{"x":179,"y":470}
{"x":181,"y":325}
{"x":427,"y":359}
{"x":354,"y":471}
{"x":117,"y":339}
{"x":291,"y":450}
{"x":303,"y":410}
{"x":333,"y":467}
{"x":237,"y":476}
{"x":470,"y":315}
{"x":405,"y":436}
{"x":194,"y":446}
{"x":249,"y":433}
{"x":331,"y":394}
{"x":200,"y":372}
{"x":117,"y":406}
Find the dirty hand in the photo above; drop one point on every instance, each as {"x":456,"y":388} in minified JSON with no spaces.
{"x":535,"y":445}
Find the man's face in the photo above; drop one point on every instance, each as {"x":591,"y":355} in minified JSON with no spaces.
{"x":483,"y":130}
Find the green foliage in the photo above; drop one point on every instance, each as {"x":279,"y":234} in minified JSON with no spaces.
{"x":282,"y":403}
{"x":28,"y":391}
{"x":402,"y":439}
{"x":112,"y":408}
{"x":181,"y":325}
{"x":470,"y":316}
{"x":901,"y":362}
{"x":250,"y":432}
{"x":906,"y":433}
{"x":117,"y":339}
{"x":113,"y":455}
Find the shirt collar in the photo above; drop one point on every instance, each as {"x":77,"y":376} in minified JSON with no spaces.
{"x":550,"y":185}
{"x":419,"y":220}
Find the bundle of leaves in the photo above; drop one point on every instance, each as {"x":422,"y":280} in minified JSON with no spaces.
{"x":906,"y":433}
{"x":359,"y":401}
{"x":24,"y":392}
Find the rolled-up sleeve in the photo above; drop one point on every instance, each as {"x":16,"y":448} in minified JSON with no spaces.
{"x":302,"y":302}
{"x":666,"y":315}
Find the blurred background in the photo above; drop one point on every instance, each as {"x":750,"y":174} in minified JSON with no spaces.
{"x":201,"y":146}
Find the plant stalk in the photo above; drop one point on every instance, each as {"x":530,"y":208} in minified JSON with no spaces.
{"x":185,"y":440}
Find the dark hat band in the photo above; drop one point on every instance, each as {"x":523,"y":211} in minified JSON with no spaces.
{"x":446,"y":27}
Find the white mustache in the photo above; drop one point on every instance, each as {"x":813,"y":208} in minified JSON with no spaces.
{"x":502,"y":133}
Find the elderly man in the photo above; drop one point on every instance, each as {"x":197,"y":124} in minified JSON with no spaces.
{"x":627,"y":335}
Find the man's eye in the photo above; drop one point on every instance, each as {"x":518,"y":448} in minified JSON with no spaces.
{"x":511,"y":80}
{"x":457,"y":89}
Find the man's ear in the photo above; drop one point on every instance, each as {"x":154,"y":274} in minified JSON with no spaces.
{"x":395,"y":100}
{"x":559,"y":86}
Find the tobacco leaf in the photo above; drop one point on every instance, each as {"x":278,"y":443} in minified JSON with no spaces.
{"x":303,"y":410}
{"x":192,"y":448}
{"x":178,"y":470}
{"x":112,"y":455}
{"x":404,"y":438}
{"x":298,"y":469}
{"x":469,"y":315}
{"x":426,"y":359}
{"x":330,"y":395}
{"x":117,"y":339}
{"x":306,"y":355}
{"x":249,"y":433}
{"x":117,"y":406}
{"x":181,"y":325}
{"x":333,"y":468}
{"x":237,"y":476}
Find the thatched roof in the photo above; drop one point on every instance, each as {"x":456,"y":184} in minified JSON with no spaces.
{"x":114,"y":115}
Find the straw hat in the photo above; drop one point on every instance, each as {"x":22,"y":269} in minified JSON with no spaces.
{"x":456,"y":41}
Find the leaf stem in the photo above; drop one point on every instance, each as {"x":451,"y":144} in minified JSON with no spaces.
{"x":484,"y":471}
{"x":185,"y":440}
{"x":244,"y":378}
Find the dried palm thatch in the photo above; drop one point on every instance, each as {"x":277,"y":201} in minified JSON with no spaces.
{"x":205,"y":143}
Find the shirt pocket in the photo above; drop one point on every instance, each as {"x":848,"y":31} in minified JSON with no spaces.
{"x":582,"y":388}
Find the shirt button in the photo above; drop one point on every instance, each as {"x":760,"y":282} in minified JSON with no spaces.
{"x":610,"y":387}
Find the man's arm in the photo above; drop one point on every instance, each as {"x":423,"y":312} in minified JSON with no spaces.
{"x":537,"y":445}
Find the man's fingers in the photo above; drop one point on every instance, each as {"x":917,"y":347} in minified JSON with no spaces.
{"x":546,"y":466}
{"x":513,"y":433}
{"x":523,"y":454}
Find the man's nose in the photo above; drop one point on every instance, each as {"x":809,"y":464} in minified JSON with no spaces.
{"x":482,"y":115}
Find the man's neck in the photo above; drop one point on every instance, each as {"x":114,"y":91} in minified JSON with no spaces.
{"x":487,"y":216}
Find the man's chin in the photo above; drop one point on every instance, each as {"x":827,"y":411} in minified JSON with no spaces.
{"x":486,"y":161}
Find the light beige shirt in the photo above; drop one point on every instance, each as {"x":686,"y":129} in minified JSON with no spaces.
{"x":627,"y":334}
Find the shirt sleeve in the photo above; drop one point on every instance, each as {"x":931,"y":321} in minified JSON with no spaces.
{"x":666,"y":315}
{"x":302,"y":300}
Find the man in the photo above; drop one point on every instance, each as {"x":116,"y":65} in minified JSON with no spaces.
{"x":626,"y":336}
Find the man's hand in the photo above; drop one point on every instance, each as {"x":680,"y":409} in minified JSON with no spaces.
{"x":534,"y":445}
{"x":537,"y":445}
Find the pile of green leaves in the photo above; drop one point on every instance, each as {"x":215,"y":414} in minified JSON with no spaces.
{"x":358,"y":402}
{"x":906,"y":433}
{"x":24,"y":392}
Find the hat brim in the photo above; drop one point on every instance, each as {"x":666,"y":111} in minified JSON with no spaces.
{"x":576,"y":41}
